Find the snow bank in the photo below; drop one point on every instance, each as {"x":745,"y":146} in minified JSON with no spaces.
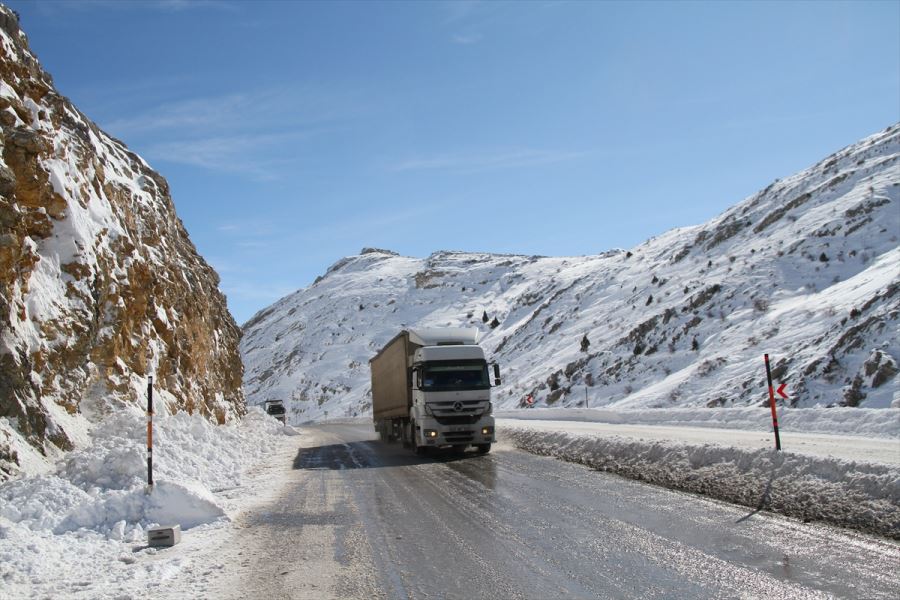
{"x":857,"y":495}
{"x":97,"y":498}
{"x":838,"y":421}
{"x":103,"y":484}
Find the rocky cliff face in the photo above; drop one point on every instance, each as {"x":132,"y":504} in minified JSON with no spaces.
{"x":100,"y":285}
{"x":805,"y":270}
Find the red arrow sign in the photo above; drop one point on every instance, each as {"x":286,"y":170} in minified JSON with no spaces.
{"x":780,"y":391}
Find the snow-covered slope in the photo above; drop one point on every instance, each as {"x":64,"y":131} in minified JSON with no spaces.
{"x":100,"y":285}
{"x":807,"y":270}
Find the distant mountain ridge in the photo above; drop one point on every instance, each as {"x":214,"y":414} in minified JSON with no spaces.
{"x":807,"y":270}
{"x":100,"y":285}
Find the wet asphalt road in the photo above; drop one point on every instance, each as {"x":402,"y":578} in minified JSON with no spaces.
{"x":364,"y":519}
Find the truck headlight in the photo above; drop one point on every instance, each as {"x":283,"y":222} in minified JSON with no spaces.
{"x":430,"y":433}
{"x":487,"y":430}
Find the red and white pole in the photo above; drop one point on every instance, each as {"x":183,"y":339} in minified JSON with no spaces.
{"x":772,"y":403}
{"x":150,"y":430}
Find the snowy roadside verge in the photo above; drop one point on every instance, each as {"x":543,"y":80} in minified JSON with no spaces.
{"x":81,"y":531}
{"x":877,"y":422}
{"x":856,"y":495}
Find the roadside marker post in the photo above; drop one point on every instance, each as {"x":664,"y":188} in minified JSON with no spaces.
{"x":150,"y":431}
{"x":772,"y":402}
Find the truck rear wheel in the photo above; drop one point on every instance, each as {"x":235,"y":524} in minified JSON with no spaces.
{"x":483,"y":448}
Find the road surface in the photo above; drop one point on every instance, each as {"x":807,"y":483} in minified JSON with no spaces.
{"x":362,"y":519}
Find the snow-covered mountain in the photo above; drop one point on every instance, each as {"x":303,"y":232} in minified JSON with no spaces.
{"x":807,"y":270}
{"x":99,"y":283}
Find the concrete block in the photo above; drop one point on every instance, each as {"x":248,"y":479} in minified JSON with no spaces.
{"x":164,"y":536}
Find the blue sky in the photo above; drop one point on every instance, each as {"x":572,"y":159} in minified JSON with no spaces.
{"x":293,"y":134}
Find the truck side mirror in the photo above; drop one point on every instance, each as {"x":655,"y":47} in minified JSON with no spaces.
{"x":418,"y":373}
{"x":496,"y":374}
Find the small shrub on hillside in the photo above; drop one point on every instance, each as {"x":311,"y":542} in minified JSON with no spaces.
{"x":760,"y":305}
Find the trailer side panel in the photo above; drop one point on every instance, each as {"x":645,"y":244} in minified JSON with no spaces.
{"x":391,"y":394}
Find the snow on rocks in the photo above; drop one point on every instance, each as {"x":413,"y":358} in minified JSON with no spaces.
{"x":79,"y":518}
{"x":863,"y":496}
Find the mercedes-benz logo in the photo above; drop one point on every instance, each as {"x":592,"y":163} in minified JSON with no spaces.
{"x":457,"y":406}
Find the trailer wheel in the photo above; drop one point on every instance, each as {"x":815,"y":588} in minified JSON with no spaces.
{"x":483,"y":448}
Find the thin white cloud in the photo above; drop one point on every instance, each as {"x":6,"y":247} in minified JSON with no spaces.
{"x":247,"y":154}
{"x":255,"y":244}
{"x":193,"y":113}
{"x":241,"y":133}
{"x":56,"y":7}
{"x":466,"y":16}
{"x":467,"y":40}
{"x":272,"y":107}
{"x":509,"y":159}
{"x":460,"y":10}
{"x":258,"y":227}
{"x":183,"y":5}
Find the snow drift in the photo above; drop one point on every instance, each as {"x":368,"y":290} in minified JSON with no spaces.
{"x":96,"y":501}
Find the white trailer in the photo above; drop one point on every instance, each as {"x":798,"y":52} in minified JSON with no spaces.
{"x":432,"y":388}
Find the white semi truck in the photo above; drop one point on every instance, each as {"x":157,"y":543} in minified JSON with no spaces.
{"x":432,"y":388}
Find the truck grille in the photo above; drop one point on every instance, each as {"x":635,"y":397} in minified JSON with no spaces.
{"x":469,"y":410}
{"x":456,"y":437}
{"x":463,"y":420}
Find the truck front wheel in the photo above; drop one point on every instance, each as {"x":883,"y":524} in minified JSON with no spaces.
{"x":483,"y":448}
{"x":405,"y":433}
{"x":420,"y":450}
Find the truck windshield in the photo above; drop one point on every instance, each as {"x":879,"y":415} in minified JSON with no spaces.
{"x":456,"y":375}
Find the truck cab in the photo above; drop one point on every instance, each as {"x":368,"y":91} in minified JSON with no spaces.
{"x":451,"y":397}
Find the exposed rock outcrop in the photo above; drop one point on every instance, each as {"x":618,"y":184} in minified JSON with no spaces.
{"x":100,"y":285}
